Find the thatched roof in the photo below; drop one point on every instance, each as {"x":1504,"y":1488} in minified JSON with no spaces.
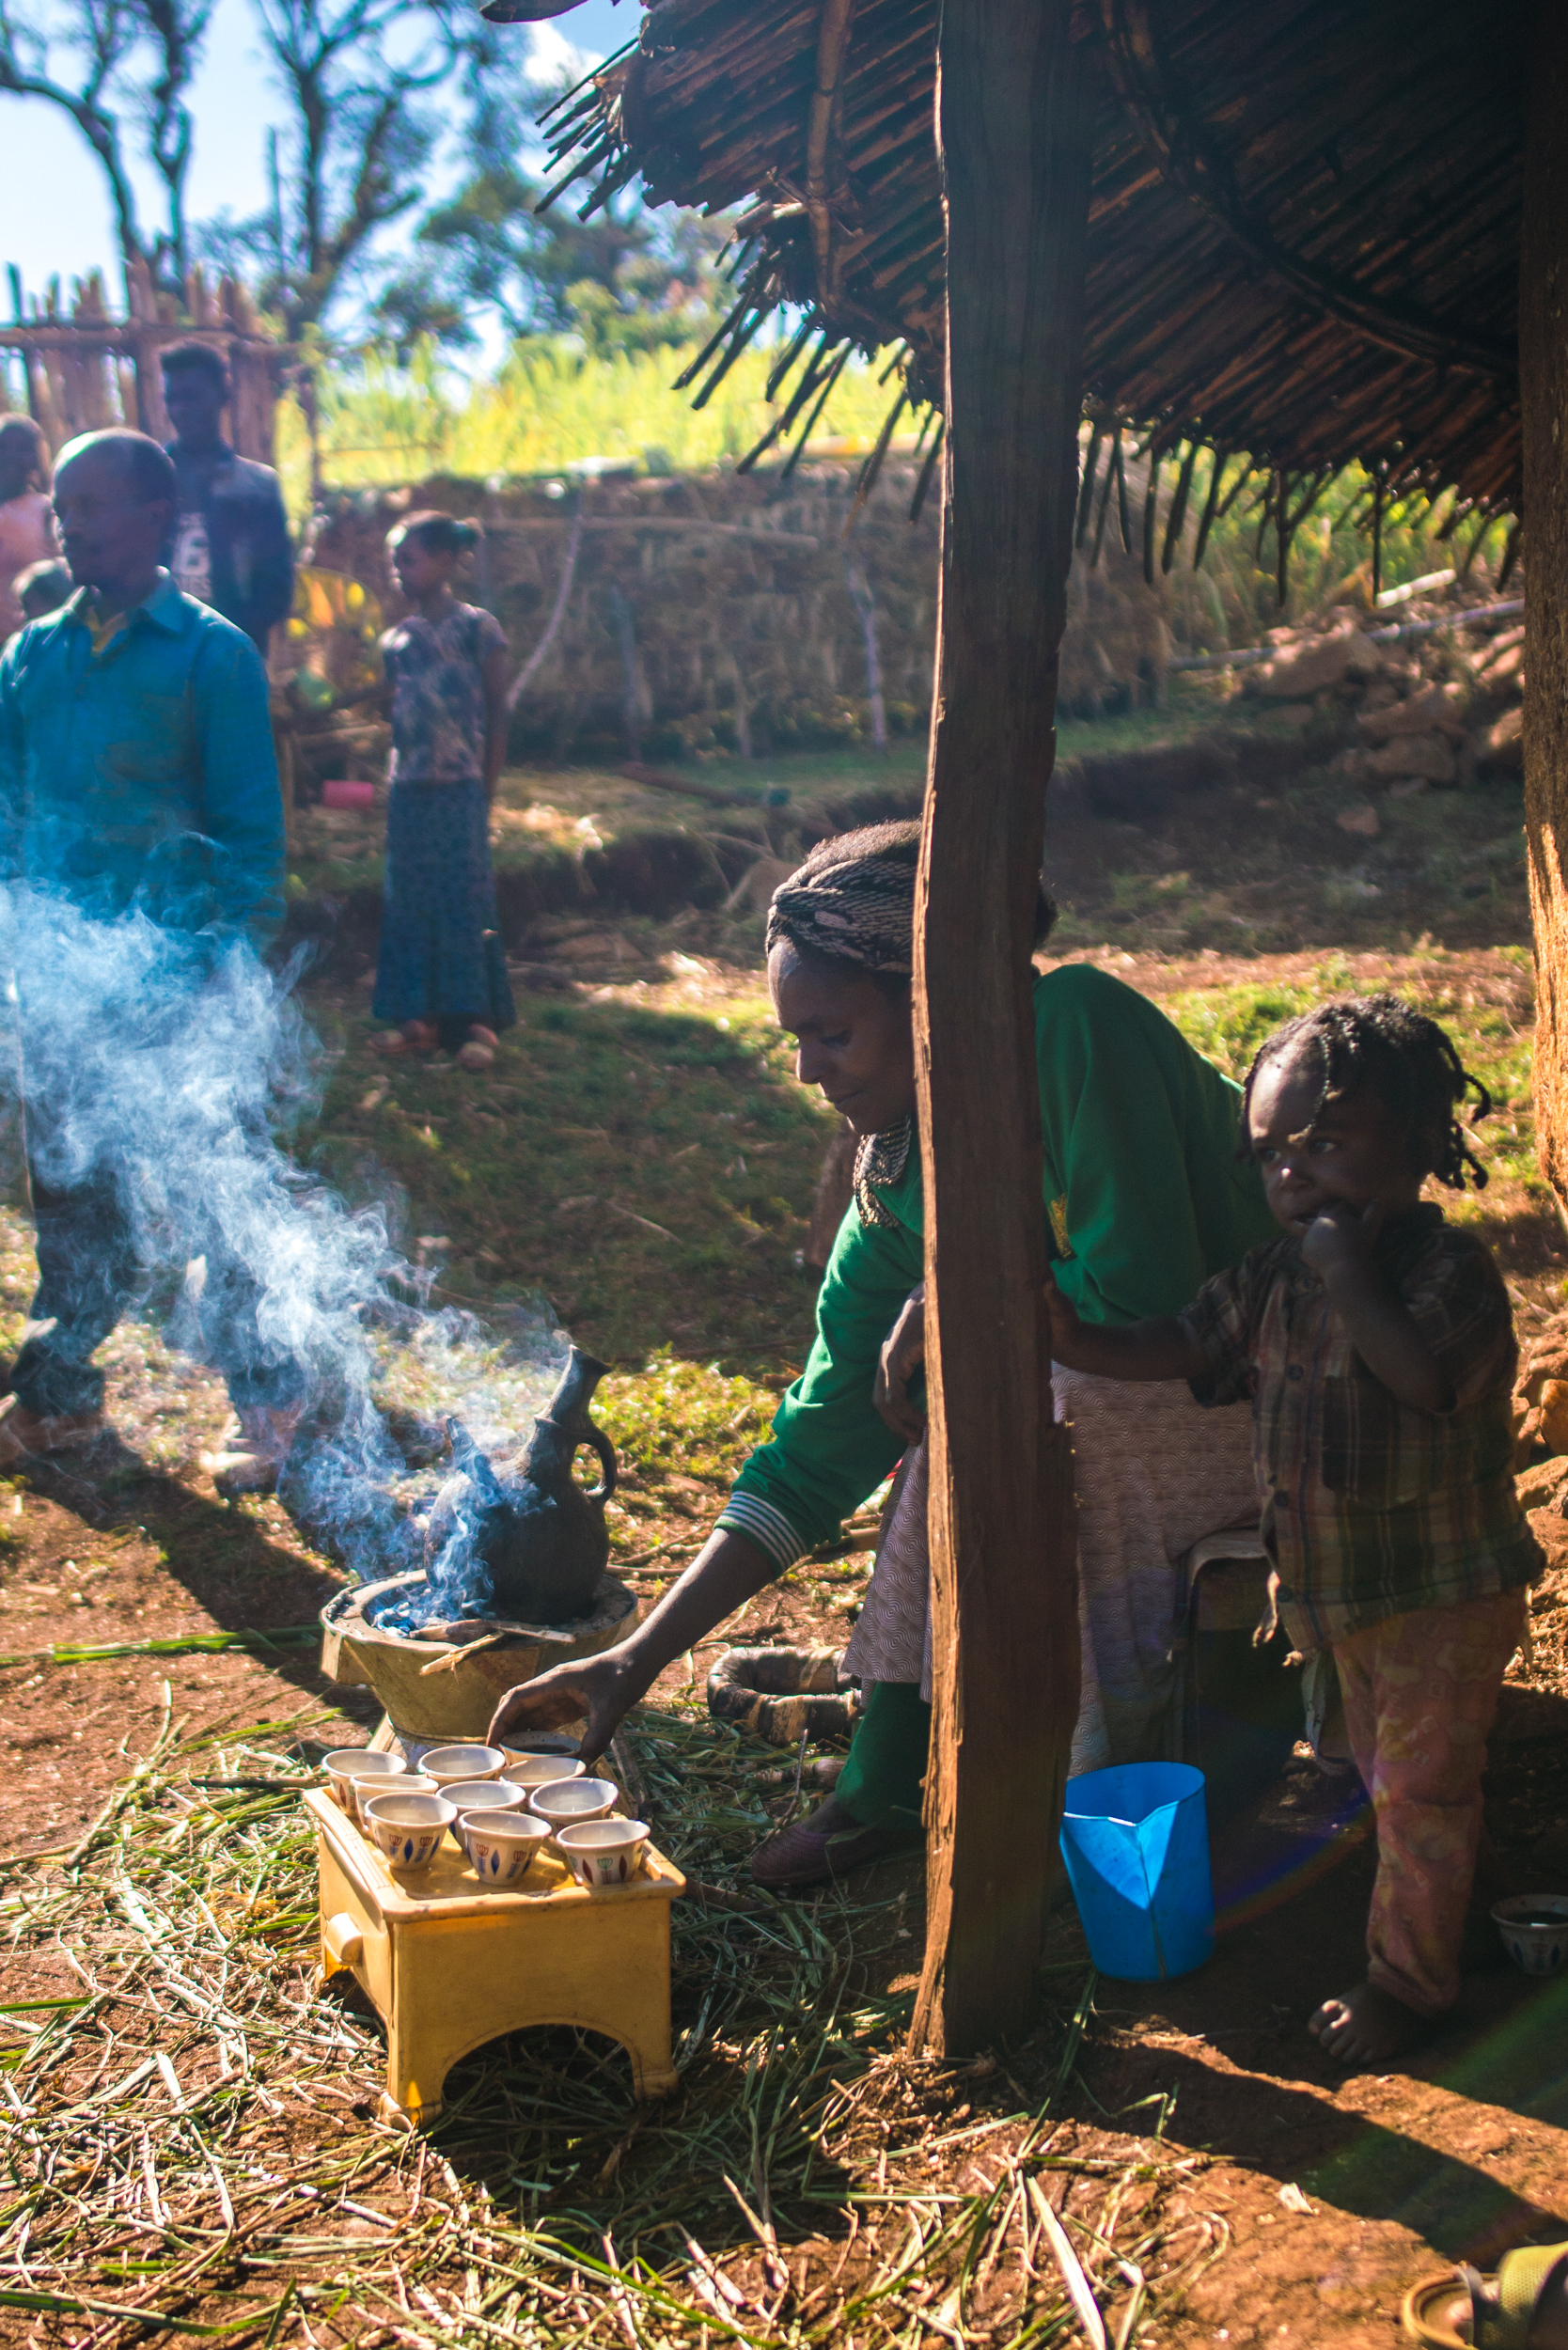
{"x":1305,"y":227}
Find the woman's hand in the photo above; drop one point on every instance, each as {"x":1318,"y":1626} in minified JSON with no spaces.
{"x":603,"y":1687}
{"x":904,"y":1353}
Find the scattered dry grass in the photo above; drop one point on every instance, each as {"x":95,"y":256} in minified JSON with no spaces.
{"x":194,"y":2142}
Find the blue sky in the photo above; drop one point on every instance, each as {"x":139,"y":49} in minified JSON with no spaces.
{"x":57,"y":218}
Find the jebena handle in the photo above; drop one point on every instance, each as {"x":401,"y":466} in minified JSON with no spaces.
{"x":342,"y":1940}
{"x":605,"y":1449}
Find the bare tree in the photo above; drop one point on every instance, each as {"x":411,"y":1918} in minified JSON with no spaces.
{"x":177,"y":29}
{"x":355,"y":73}
{"x":107,"y":63}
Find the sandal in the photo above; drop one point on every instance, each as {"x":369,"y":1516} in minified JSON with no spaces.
{"x":806,"y":1853}
{"x":479,"y":1051}
{"x":1503,"y":2307}
{"x":415,"y":1037}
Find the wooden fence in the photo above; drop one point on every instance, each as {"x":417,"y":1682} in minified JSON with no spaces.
{"x":85,"y":370}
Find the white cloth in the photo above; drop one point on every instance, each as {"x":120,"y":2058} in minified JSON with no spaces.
{"x":1154,"y":1473}
{"x":190,"y":562}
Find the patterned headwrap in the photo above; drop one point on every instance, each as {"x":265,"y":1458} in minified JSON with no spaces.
{"x":858,"y":910}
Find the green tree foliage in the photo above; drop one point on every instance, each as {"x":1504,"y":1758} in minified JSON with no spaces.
{"x":623,"y":280}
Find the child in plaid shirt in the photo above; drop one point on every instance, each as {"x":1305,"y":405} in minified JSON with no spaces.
{"x":1375,"y":1344}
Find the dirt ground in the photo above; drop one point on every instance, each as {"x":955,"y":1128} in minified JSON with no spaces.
{"x":1320,"y":2200}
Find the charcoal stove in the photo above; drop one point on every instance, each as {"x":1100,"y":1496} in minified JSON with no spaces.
{"x":444,"y":1679}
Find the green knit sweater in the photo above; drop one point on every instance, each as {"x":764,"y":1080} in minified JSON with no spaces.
{"x":1144,"y":1201}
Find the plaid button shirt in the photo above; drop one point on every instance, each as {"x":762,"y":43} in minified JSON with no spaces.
{"x":1370,"y":1508}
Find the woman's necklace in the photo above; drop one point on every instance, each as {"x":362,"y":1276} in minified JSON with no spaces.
{"x":878,"y":1165}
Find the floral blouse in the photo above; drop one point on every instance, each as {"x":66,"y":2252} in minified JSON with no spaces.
{"x":436,"y":669}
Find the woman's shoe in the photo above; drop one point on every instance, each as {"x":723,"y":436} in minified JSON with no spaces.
{"x":415,"y":1037}
{"x":479,"y":1051}
{"x":826,"y":1844}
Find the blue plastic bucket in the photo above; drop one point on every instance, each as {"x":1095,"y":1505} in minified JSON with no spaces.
{"x":1135,"y":1840}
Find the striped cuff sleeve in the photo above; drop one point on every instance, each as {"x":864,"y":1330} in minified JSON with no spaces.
{"x":761,"y":1524}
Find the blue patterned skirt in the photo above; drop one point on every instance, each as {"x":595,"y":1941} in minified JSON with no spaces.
{"x":440,"y":948}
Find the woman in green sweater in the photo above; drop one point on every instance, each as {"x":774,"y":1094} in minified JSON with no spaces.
{"x":1144,"y":1200}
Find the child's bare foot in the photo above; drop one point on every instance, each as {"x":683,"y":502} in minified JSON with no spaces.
{"x":1367,"y":2028}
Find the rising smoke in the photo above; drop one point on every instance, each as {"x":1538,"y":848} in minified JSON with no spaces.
{"x":174,"y":1065}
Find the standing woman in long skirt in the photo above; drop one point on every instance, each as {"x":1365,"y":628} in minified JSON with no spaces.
{"x":441,"y":976}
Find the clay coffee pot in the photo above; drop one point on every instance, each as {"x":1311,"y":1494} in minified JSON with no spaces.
{"x":542,"y":1544}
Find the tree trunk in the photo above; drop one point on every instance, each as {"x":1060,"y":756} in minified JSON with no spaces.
{"x":1014,"y":129}
{"x":1543,"y":385}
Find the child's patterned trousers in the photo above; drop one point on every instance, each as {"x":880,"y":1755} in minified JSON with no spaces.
{"x":1420,"y":1691}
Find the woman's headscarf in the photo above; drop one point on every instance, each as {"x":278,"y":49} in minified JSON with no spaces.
{"x":853,"y":901}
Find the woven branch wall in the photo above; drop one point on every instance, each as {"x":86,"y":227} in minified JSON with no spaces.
{"x":731,"y":612}
{"x":82,"y":371}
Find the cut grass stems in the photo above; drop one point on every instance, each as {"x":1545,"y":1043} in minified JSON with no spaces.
{"x":195,"y":2144}
{"x":181,"y":1644}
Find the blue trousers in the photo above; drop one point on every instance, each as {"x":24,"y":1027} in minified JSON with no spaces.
{"x":89,"y":1273}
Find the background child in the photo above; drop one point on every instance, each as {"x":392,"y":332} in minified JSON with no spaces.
{"x":1376,"y":1343}
{"x":441,"y":973}
{"x":27,"y":518}
{"x":42,"y":588}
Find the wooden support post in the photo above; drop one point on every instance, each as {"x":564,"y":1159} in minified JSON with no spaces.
{"x":1014,"y":131}
{"x":1544,"y":386}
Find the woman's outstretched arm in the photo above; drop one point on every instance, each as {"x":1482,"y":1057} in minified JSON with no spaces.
{"x":1161,"y":1348}
{"x":728,"y":1573}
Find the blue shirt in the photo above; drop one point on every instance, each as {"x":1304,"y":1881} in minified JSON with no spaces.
{"x":143,"y":772}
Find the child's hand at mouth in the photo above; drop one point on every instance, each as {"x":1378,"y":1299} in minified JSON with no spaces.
{"x":1341,"y":1238}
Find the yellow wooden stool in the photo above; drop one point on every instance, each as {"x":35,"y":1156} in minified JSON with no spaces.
{"x":450,"y":1964}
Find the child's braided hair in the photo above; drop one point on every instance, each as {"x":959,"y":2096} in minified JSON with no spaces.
{"x":1409,"y":1061}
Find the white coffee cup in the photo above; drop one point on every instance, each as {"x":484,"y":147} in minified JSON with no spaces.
{"x":569,"y":1800}
{"x":502,"y":1845}
{"x":407,"y":1830}
{"x":602,"y":1851}
{"x":345,"y":1765}
{"x":461,"y":1763}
